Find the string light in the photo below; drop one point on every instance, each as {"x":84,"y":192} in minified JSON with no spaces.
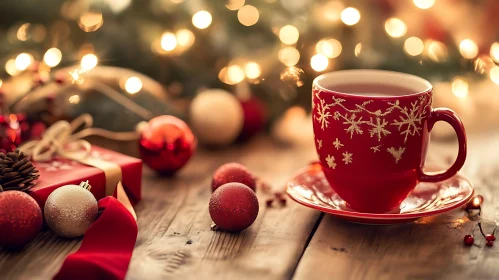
{"x":460,"y":87}
{"x":424,"y":4}
{"x":494,"y":51}
{"x":133,"y":85}
{"x":1,"y":83}
{"x":437,"y":51}
{"x":168,"y":41}
{"x":289,"y":34}
{"x":289,"y":56}
{"x":494,"y":74}
{"x":248,"y":15}
{"x":468,"y":48}
{"x":235,"y":74}
{"x":234,"y":5}
{"x":90,"y":21}
{"x":10,"y":67}
{"x":52,"y":57}
{"x":74,"y":99}
{"x":23,"y":61}
{"x":483,"y":64}
{"x":329,"y":47}
{"x":253,"y":70}
{"x":358,"y":49}
{"x":350,"y":16}
{"x":319,"y":62}
{"x":185,"y":38}
{"x":201,"y":19}
{"x":413,"y":46}
{"x":88,"y":62}
{"x":395,"y":27}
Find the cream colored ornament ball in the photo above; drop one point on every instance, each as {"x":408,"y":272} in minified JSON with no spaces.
{"x":70,"y":210}
{"x":216,"y":116}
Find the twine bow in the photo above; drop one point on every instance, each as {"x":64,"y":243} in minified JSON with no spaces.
{"x":60,"y":139}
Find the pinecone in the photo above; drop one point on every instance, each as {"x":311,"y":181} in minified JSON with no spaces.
{"x":16,"y":172}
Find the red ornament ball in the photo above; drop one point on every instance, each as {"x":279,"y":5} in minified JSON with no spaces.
{"x":166,"y":144}
{"x":233,"y":173}
{"x":233,"y":207}
{"x":20,"y":219}
{"x":255,"y":118}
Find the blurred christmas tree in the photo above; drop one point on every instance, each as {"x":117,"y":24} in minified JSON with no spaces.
{"x":270,"y":48}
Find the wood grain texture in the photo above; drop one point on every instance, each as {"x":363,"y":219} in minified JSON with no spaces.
{"x":429,"y":248}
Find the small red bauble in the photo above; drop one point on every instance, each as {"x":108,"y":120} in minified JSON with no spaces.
{"x":233,"y":207}
{"x":490,"y":237}
{"x":166,"y":144}
{"x":233,"y":172}
{"x":255,"y":118}
{"x":469,"y":240}
{"x":20,"y":219}
{"x":489,"y":243}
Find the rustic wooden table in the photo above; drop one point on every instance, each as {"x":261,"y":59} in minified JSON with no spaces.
{"x":175,"y":240}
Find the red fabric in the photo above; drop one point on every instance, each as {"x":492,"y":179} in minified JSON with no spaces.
{"x":107,"y":246}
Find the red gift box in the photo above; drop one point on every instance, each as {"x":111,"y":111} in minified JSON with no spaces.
{"x":61,"y":171}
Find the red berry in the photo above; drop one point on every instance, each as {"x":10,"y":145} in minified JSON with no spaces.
{"x":490,"y":243}
{"x":490,"y":237}
{"x":233,"y":207}
{"x":469,"y":240}
{"x":233,"y":172}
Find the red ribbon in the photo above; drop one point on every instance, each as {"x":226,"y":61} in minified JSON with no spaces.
{"x":107,"y":246}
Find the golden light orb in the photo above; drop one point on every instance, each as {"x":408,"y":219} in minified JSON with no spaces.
{"x":468,"y":49}
{"x":90,"y":21}
{"x":185,"y":38}
{"x":460,"y":87}
{"x":201,"y":19}
{"x":329,"y":47}
{"x":133,"y":85}
{"x":235,"y":74}
{"x":52,"y":57}
{"x":289,"y":34}
{"x":234,"y":5}
{"x":319,"y":62}
{"x":494,"y":51}
{"x":350,"y":16}
{"x":248,"y":15}
{"x":413,"y":46}
{"x":252,"y":70}
{"x":289,"y":56}
{"x":168,"y":41}
{"x":89,"y":61}
{"x":23,"y":61}
{"x":424,"y":4}
{"x":395,"y":27}
{"x":494,"y":74}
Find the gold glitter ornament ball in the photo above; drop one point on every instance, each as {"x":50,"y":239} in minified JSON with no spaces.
{"x":70,"y":210}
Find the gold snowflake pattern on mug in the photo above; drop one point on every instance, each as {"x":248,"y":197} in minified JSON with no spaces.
{"x":409,"y":122}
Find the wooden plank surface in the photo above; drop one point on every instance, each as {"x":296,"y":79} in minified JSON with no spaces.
{"x":175,"y":239}
{"x":430,"y":248}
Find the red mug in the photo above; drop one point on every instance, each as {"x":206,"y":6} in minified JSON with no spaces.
{"x":371,"y":130}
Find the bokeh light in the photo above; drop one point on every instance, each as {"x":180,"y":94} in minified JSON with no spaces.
{"x":319,"y":62}
{"x":436,"y":50}
{"x":329,"y":47}
{"x":289,"y":56}
{"x":185,"y":38}
{"x":358,"y":49}
{"x":90,"y":21}
{"x":22,"y":32}
{"x":168,"y":41}
{"x":235,"y":74}
{"x":460,"y":87}
{"x":23,"y":61}
{"x":89,"y":61}
{"x":248,"y":15}
{"x":494,"y":51}
{"x":133,"y":85}
{"x":468,"y":49}
{"x":234,"y":5}
{"x":289,"y":34}
{"x":52,"y":57}
{"x":252,"y":70}
{"x":10,"y":67}
{"x":350,"y":16}
{"x":201,"y":19}
{"x":483,"y":64}
{"x":117,"y":6}
{"x":395,"y":27}
{"x":424,"y":4}
{"x":494,"y":74}
{"x":413,"y":46}
{"x":74,"y":99}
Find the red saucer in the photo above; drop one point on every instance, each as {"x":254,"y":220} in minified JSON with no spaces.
{"x":311,"y":189}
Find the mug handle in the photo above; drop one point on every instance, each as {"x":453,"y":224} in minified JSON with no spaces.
{"x":450,"y":117}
